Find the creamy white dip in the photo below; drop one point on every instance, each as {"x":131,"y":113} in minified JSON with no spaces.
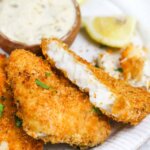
{"x":28,"y":21}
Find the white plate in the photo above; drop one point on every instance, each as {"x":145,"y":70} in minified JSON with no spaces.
{"x":124,"y":138}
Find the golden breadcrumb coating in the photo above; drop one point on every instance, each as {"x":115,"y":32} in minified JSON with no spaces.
{"x":131,"y":104}
{"x":56,"y":111}
{"x":11,"y":136}
{"x":132,"y":62}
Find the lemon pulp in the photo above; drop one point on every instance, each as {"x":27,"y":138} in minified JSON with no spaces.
{"x":80,"y":1}
{"x":111,"y":31}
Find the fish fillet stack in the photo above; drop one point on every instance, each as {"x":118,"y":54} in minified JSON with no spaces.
{"x":57,"y":112}
{"x":64,"y":99}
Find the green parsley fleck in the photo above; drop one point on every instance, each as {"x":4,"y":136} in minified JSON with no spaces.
{"x":1,"y":110}
{"x":41,"y":84}
{"x":2,"y":98}
{"x":119,"y":69}
{"x":47,"y":74}
{"x":96,"y":66}
{"x":18,"y":121}
{"x":96,"y":110}
{"x":103,"y":46}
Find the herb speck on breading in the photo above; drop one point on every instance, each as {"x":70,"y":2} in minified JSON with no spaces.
{"x":41,"y":84}
{"x":119,"y":70}
{"x":96,"y":110}
{"x":47,"y":74}
{"x":1,"y":109}
{"x":18,"y":121}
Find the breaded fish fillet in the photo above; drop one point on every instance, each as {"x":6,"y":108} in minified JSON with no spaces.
{"x":11,"y":136}
{"x":114,"y":98}
{"x":51,"y":107}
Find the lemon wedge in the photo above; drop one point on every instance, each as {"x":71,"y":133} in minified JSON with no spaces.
{"x":80,"y":1}
{"x":110,"y":31}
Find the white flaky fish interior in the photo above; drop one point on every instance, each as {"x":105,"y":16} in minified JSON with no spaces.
{"x":79,"y":73}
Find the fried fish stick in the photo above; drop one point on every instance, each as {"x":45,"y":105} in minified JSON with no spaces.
{"x":11,"y":136}
{"x":51,"y":107}
{"x":115,"y":98}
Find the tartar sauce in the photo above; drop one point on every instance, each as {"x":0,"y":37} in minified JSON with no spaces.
{"x":27,"y":21}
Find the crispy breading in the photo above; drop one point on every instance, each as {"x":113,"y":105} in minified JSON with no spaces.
{"x":56,"y":111}
{"x":130,"y":104}
{"x":11,"y":136}
{"x":132,"y":62}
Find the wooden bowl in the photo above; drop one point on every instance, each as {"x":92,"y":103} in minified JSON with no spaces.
{"x":9,"y":45}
